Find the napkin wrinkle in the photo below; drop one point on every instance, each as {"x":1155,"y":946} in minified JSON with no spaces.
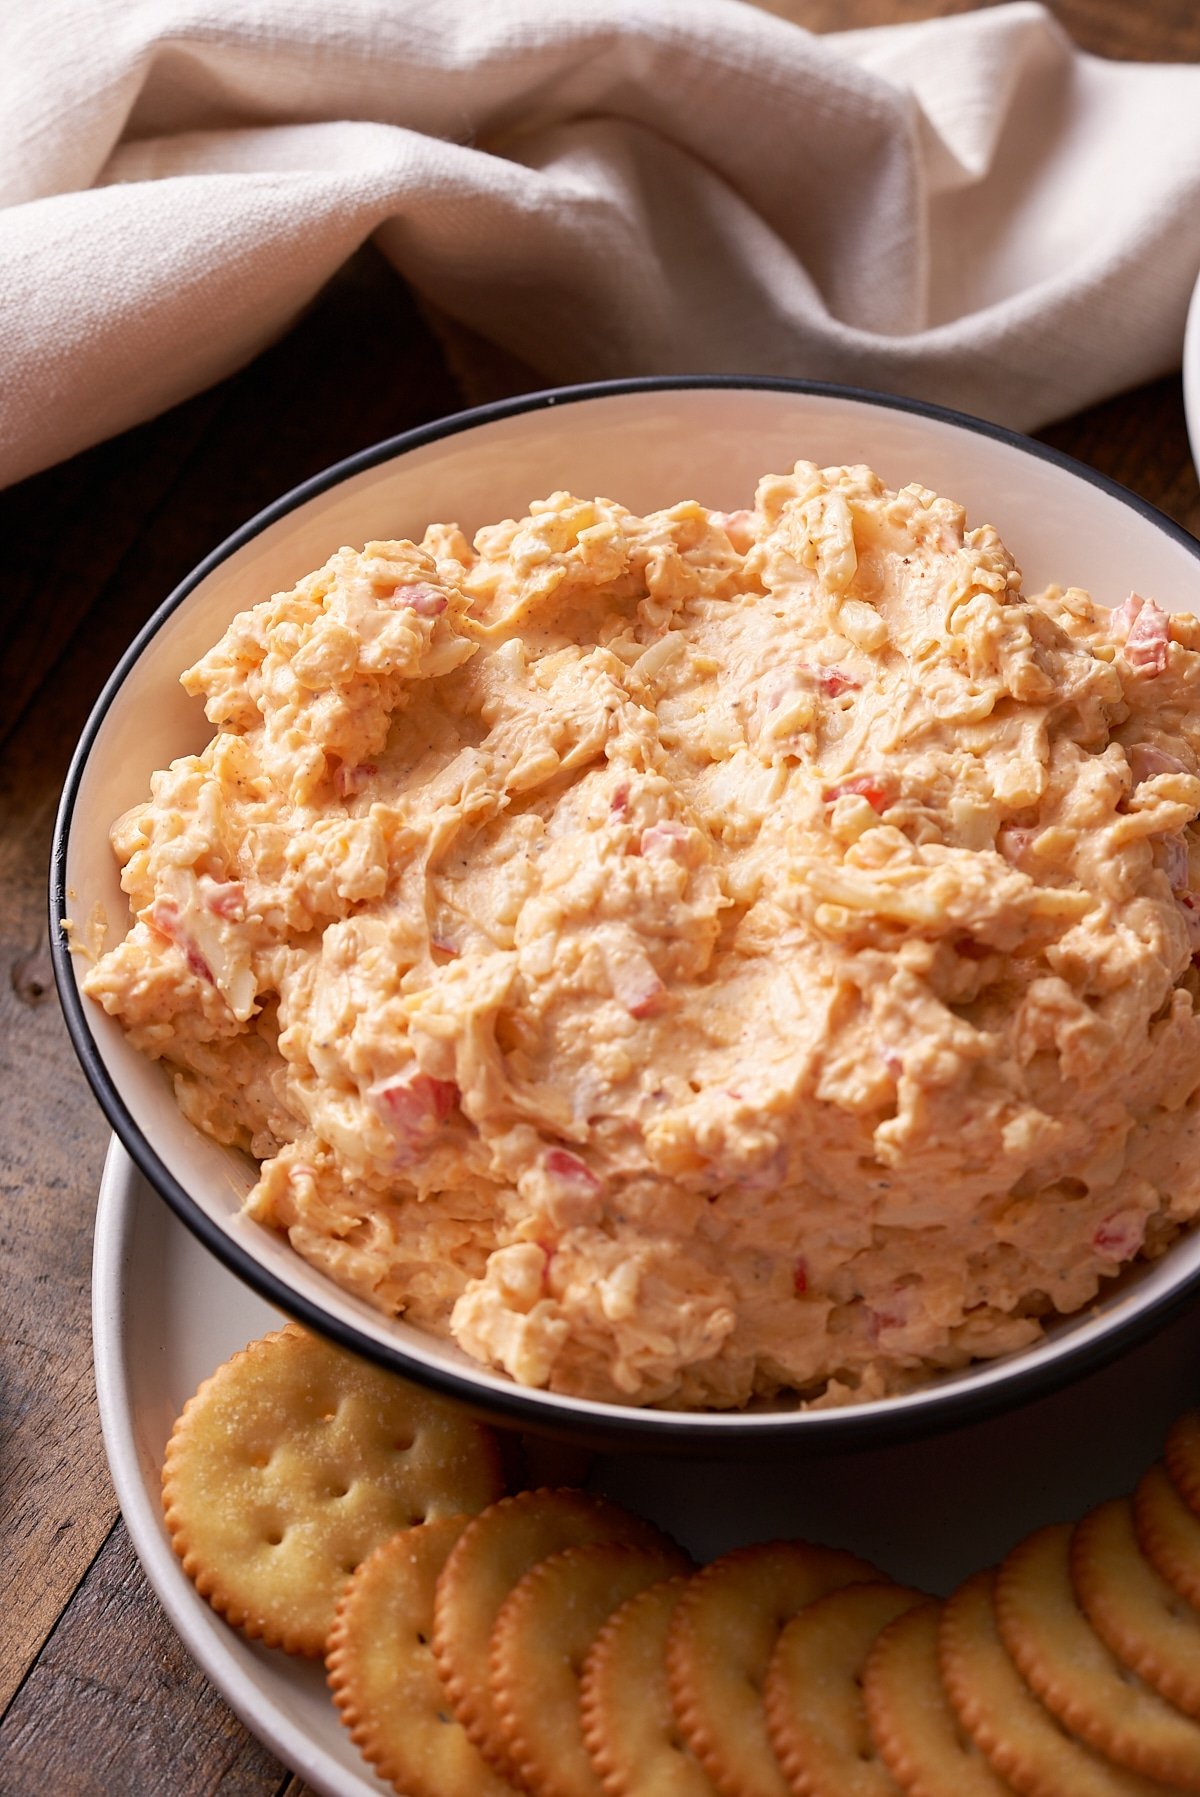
{"x":966,"y":74}
{"x":967,"y":210}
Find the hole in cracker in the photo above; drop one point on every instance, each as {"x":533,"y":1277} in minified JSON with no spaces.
{"x":349,"y":1567}
{"x":260,"y":1459}
{"x":274,"y":1537}
{"x":402,"y":1443}
{"x":423,"y":1639}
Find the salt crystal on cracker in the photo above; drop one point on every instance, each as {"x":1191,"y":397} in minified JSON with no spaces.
{"x":292,"y":1462}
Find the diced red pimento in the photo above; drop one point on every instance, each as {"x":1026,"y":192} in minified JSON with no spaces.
{"x":350,"y":780}
{"x":1015,"y":843}
{"x":227,"y":899}
{"x":562,"y":1165}
{"x":832,"y":681}
{"x":163,"y":916}
{"x":894,"y":1313}
{"x":1147,"y":634}
{"x":1120,"y":1236}
{"x":1121,"y":617}
{"x":619,"y":803}
{"x":414,"y":1105}
{"x":1189,"y":904}
{"x":635,"y":983}
{"x":665,"y":839}
{"x":800,"y":1276}
{"x":441,"y":946}
{"x":549,"y":1250}
{"x":425,"y":600}
{"x":872,"y":787}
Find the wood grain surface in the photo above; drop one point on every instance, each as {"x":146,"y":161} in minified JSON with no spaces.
{"x":96,"y":1694}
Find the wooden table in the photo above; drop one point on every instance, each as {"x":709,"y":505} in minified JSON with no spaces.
{"x":96,"y":1693}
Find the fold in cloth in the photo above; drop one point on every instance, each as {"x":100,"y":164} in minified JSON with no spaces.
{"x":968,"y":210}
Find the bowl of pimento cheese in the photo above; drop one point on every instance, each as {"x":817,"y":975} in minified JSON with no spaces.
{"x":667,"y":910}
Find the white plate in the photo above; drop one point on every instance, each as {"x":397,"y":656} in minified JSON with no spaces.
{"x":166,"y":1313}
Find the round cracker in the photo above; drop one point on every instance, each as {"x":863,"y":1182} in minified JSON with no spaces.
{"x":493,"y":1554}
{"x":1168,"y":1532}
{"x":1024,"y":1743}
{"x":292,"y":1462}
{"x":915,"y":1730}
{"x":813,"y":1698}
{"x":1079,"y":1680}
{"x":628,"y":1723}
{"x":1181,"y":1454}
{"x":1141,"y":1618}
{"x":720,"y":1643}
{"x":541,"y":1639}
{"x":384,"y":1677}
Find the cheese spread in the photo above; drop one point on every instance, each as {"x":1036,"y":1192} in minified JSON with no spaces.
{"x":690,"y":958}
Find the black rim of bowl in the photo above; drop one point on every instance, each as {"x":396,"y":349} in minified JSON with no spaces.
{"x":929,"y":1409}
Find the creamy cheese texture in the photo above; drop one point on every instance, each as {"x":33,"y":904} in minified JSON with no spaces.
{"x":691,"y":958}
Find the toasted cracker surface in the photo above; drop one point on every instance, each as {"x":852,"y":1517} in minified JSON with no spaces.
{"x":916,"y":1732}
{"x":1141,"y":1618}
{"x":292,"y":1462}
{"x":813,"y":1694}
{"x":492,"y":1556}
{"x":1181,"y":1456}
{"x":1168,"y":1532}
{"x":1068,"y":1666}
{"x":720,"y":1644}
{"x":629,"y":1726}
{"x":384,"y":1678}
{"x":541,"y":1639}
{"x":1024,"y":1743}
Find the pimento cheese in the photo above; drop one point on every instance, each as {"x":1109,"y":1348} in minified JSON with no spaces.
{"x":690,"y":958}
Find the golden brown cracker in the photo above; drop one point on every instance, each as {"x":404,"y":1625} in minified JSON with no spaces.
{"x":813,"y":1699}
{"x":292,"y":1462}
{"x":1168,"y":1532}
{"x":1024,"y":1743}
{"x":628,"y":1723}
{"x":916,"y":1732}
{"x":1141,"y":1618}
{"x":1181,"y":1456}
{"x":384,"y":1677}
{"x":492,"y":1556}
{"x":1067,"y":1665}
{"x":721,"y":1639}
{"x":541,"y":1639}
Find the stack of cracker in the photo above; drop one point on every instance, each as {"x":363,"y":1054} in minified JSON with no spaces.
{"x":555,"y":1644}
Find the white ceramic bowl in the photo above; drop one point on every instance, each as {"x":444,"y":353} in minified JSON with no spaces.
{"x":646,"y":444}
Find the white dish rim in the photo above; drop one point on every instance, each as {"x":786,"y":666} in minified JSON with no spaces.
{"x":208,"y":1639}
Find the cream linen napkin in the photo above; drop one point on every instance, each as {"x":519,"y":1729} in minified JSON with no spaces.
{"x":968,"y":210}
